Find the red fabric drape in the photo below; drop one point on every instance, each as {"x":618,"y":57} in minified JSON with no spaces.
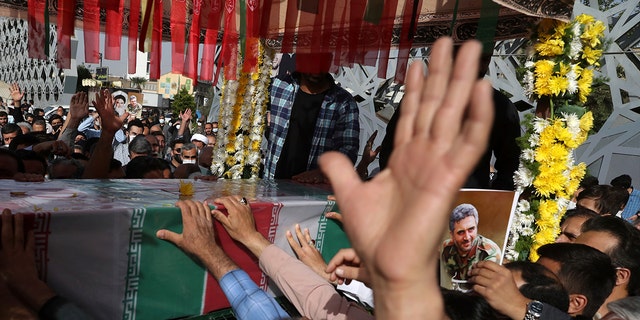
{"x":289,"y":26}
{"x":230,"y":41}
{"x":212,"y":19}
{"x":156,"y":41}
{"x":191,"y":62}
{"x":36,"y":40}
{"x":178,"y":34}
{"x":113,"y":39}
{"x":134,"y":21}
{"x":385,"y":29}
{"x":146,"y":29}
{"x":252,"y":40}
{"x":91,"y":23}
{"x":66,"y":23}
{"x":406,"y":38}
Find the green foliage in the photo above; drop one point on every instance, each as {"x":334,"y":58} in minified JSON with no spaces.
{"x":182,"y":101}
{"x":599,"y":103}
{"x":83,"y":73}
{"x":138,"y":81}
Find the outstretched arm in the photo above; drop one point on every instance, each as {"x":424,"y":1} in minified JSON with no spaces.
{"x":98,"y":166}
{"x":441,"y":134}
{"x":198,"y":239}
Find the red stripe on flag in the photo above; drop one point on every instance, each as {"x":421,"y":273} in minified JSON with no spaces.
{"x":35,"y":20}
{"x":266,"y":218}
{"x":156,"y":41}
{"x":178,"y":34}
{"x":91,"y":23}
{"x":191,"y":62}
{"x":134,"y":20}
{"x":113,"y":38}
{"x":66,"y":23}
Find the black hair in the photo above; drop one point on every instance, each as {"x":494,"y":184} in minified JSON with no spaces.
{"x":139,"y":166}
{"x":598,"y":193}
{"x":466,"y":306}
{"x":11,"y":128}
{"x":626,"y":252}
{"x":622,"y":181}
{"x":135,"y":123}
{"x":175,"y":141}
{"x":578,"y":212}
{"x":588,"y":180}
{"x":11,"y":154}
{"x":540,"y":284}
{"x":583,"y":270}
{"x":32,"y":155}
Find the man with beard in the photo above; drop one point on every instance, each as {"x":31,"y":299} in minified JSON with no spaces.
{"x":466,"y":247}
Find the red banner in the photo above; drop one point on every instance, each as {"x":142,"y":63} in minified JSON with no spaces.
{"x":156,"y":41}
{"x":66,"y":23}
{"x":91,"y":27}
{"x":230,"y":41}
{"x":178,"y":34}
{"x":134,"y":21}
{"x":146,"y":29}
{"x":385,"y":29}
{"x":113,"y":39}
{"x":253,"y":34}
{"x":290,"y":26}
{"x":37,"y":37}
{"x":212,"y":18}
{"x":191,"y":62}
{"x":406,"y":37}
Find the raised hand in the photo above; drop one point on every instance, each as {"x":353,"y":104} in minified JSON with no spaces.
{"x":108,"y":119}
{"x":79,"y":107}
{"x":441,"y":134}
{"x":186,"y":115}
{"x":16,"y":94}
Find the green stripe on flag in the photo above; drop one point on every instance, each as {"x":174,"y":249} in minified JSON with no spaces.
{"x":331,"y":237}
{"x":168,"y":284}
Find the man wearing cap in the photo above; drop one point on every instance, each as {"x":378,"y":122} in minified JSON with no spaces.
{"x":309,"y":115}
{"x":199,"y":140}
{"x":134,"y":108}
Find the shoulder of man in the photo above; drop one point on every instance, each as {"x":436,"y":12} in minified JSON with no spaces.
{"x":486,"y":244}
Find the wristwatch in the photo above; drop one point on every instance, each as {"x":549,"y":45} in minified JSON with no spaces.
{"x":534,"y":310}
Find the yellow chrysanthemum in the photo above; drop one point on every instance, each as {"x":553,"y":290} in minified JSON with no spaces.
{"x":544,"y":68}
{"x":591,"y":55}
{"x":585,"y":18}
{"x":549,"y":48}
{"x":586,"y":121}
{"x":558,"y":85}
{"x":584,"y":84}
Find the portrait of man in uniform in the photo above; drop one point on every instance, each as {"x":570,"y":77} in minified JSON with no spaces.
{"x":466,"y":246}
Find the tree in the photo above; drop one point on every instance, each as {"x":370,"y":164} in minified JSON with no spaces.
{"x":182,"y":101}
{"x":138,"y":81}
{"x":83,"y":73}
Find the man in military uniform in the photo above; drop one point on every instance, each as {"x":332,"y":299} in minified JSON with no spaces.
{"x":466,"y":247}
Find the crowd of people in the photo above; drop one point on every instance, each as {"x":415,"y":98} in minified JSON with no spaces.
{"x":592,"y":272}
{"x":136,"y":145}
